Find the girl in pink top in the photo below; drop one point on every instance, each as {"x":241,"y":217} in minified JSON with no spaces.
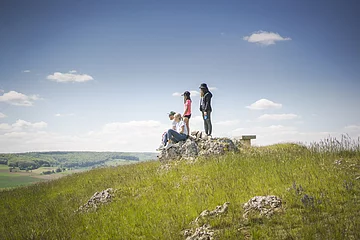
{"x":187,"y":109}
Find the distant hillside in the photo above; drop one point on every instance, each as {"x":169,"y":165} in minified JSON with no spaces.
{"x":315,"y":191}
{"x":34,"y":160}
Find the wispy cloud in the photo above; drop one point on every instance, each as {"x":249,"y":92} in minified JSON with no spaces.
{"x":22,"y":125}
{"x":18,"y":99}
{"x":264,"y":104}
{"x":277,"y":117}
{"x":26,"y":71}
{"x":71,"y":76}
{"x":193,"y":93}
{"x":64,"y":114}
{"x":352,"y":128}
{"x":265,"y":38}
{"x":2,"y":115}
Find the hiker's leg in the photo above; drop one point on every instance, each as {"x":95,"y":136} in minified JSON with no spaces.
{"x":165,"y":138}
{"x":209,"y":125}
{"x":186,"y":120}
{"x":205,"y":123}
{"x":173,"y":135}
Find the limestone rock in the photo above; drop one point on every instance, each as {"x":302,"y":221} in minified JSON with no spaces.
{"x":205,"y":232}
{"x":198,"y":144}
{"x":201,"y":233}
{"x":96,"y":200}
{"x":218,"y":210}
{"x":264,"y":205}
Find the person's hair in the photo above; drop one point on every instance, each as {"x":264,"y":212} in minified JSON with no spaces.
{"x":177,"y":115}
{"x":203,"y":91}
{"x":187,"y":97}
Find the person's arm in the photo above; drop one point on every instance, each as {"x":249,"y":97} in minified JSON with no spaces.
{"x":207,"y":103}
{"x":182,"y":128}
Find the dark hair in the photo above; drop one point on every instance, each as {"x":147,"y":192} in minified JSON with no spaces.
{"x":187,"y":97}
{"x":203,"y":91}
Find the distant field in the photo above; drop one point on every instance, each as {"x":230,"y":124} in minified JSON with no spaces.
{"x":15,"y":179}
{"x":8,"y":179}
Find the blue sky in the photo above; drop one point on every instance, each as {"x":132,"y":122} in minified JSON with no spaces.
{"x":102,"y":76}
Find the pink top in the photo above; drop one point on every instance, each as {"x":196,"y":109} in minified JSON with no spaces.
{"x":188,"y":106}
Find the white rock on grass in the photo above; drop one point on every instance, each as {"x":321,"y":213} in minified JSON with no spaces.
{"x":205,"y":232}
{"x":263,"y":205}
{"x":96,"y":200}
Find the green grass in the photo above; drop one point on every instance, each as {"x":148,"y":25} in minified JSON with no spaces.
{"x":153,"y":203}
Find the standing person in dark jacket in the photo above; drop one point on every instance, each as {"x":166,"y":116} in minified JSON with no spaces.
{"x":205,"y":107}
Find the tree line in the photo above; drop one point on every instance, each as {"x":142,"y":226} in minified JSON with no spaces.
{"x":34,"y":160}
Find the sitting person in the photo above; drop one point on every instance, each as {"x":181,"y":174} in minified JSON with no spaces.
{"x":180,"y":134}
{"x":165,"y":134}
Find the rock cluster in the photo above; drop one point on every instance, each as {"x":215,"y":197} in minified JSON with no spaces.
{"x":198,"y":144}
{"x":218,"y":210}
{"x":201,"y":233}
{"x":96,"y":200}
{"x":264,"y":205}
{"x":205,"y":232}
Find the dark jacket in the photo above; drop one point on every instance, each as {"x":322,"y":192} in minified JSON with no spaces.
{"x":205,"y":102}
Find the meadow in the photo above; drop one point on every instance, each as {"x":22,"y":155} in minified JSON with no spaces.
{"x":156,"y":201}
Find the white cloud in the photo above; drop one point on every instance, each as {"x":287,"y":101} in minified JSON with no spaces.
{"x":228,"y":123}
{"x":2,"y":115}
{"x":63,"y":114}
{"x":69,"y":77}
{"x":116,"y":136}
{"x":273,"y":129}
{"x":26,"y":71}
{"x":264,"y":104}
{"x":277,"y":117}
{"x":279,"y":133}
{"x":22,"y":124}
{"x":265,"y":38}
{"x":352,"y":128}
{"x":23,"y":136}
{"x":18,"y":99}
{"x":4,"y":126}
{"x":193,"y":93}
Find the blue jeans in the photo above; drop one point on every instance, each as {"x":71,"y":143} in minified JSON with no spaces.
{"x":174,"y":136}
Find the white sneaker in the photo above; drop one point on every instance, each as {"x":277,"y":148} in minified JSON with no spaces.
{"x":169,"y":145}
{"x":160,"y":148}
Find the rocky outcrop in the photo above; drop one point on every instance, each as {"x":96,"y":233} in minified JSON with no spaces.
{"x":262,"y":206}
{"x":205,"y":232}
{"x":96,"y":200}
{"x":201,"y":233}
{"x":218,"y":210}
{"x":198,"y":144}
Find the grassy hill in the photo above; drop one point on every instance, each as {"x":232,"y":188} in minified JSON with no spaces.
{"x":153,"y":201}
